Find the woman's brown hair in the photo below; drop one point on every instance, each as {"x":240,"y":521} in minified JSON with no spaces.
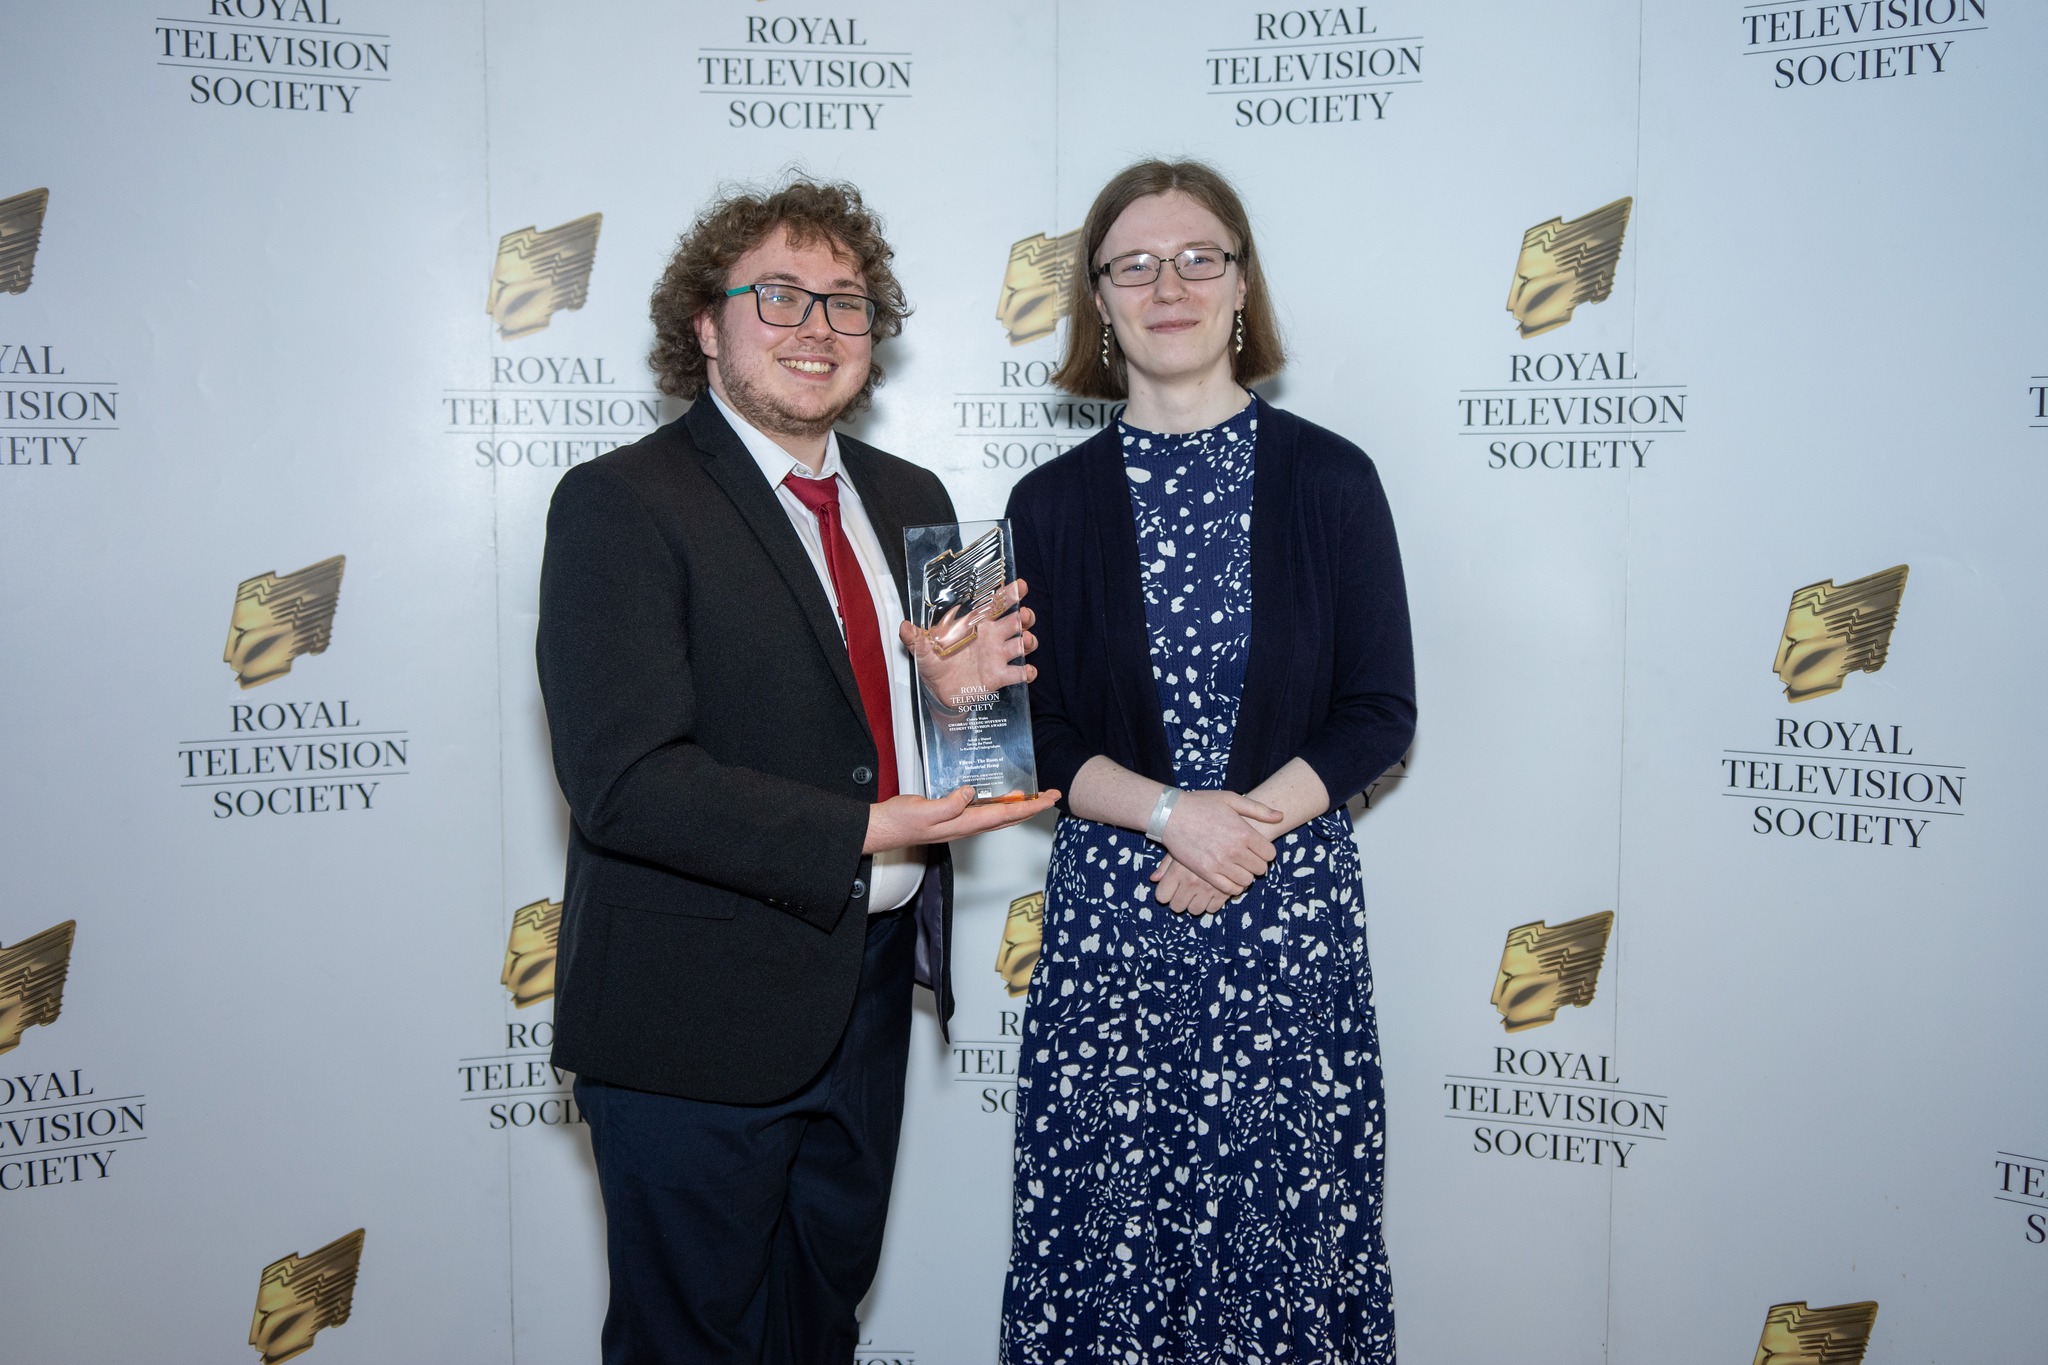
{"x":1083,"y":372}
{"x":741,"y":220}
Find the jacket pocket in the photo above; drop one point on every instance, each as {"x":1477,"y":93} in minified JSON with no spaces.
{"x":639,"y":887}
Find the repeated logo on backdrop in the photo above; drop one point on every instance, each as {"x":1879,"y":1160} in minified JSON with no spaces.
{"x":276,"y":620}
{"x":2023,"y":1181}
{"x":1023,"y":421}
{"x":1553,"y":1104}
{"x":1831,"y":632}
{"x":805,"y":74}
{"x":280,"y":756}
{"x":47,"y":414}
{"x":1844,"y":42}
{"x":1297,"y":68}
{"x":1795,"y":1334}
{"x":299,"y":1297}
{"x":1818,"y":779}
{"x":516,"y":1086}
{"x":539,"y":273}
{"x":273,"y":56}
{"x":1023,"y":935}
{"x":32,"y":976}
{"x":530,"y":953}
{"x":21,"y":232}
{"x":1035,"y":285}
{"x":1563,"y":265}
{"x":985,"y":1067}
{"x":1546,"y":967}
{"x":56,"y":1128}
{"x":1570,"y":409}
{"x":545,"y":411}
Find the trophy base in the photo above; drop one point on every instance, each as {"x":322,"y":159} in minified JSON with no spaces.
{"x":1007,"y":798}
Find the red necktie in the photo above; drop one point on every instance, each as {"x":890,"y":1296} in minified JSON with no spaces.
{"x":857,"y":616}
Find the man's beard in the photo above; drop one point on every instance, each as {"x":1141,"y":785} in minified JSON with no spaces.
{"x":764,"y":411}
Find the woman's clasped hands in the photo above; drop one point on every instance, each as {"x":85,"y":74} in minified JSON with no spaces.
{"x":1215,"y":849}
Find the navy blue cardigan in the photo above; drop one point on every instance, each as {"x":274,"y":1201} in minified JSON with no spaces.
{"x":1330,"y":676}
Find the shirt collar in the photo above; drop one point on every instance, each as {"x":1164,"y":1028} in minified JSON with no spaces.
{"x":775,"y":462}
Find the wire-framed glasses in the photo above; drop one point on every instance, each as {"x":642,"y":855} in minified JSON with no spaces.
{"x":789,"y":305}
{"x":1142,"y":267}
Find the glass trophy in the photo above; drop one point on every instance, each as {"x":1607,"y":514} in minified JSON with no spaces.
{"x":974,"y":729}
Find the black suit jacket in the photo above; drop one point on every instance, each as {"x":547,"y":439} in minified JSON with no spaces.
{"x":710,"y":739}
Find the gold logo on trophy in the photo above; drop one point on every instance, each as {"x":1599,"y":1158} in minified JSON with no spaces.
{"x":1545,"y":967}
{"x":1831,"y":632}
{"x":1023,"y":931}
{"x":277,"y":619}
{"x":538,"y":274}
{"x":530,"y":953}
{"x":299,"y":1295}
{"x":1797,"y":1335}
{"x":1563,"y":265}
{"x":960,"y":588}
{"x":32,"y":982}
{"x":21,"y":230}
{"x":1035,"y":285}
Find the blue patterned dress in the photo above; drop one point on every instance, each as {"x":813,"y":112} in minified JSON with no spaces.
{"x":1199,"y":1117}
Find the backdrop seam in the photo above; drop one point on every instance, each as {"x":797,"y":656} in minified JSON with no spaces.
{"x":498,"y":677}
{"x":1621,"y":748}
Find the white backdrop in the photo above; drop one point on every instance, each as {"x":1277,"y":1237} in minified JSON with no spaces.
{"x":270,"y":287}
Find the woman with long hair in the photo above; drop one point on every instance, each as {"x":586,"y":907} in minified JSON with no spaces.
{"x":1223,"y":662}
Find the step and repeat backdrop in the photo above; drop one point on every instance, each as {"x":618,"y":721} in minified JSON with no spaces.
{"x":1700,"y":347}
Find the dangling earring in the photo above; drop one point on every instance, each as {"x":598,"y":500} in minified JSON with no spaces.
{"x":1237,"y":346}
{"x":1105,"y":345}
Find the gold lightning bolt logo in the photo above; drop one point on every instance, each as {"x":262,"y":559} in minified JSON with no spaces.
{"x":1797,"y":1335}
{"x":300,"y":1296}
{"x":1035,"y":285}
{"x":1023,"y":931}
{"x":32,"y":976}
{"x":1563,"y":265}
{"x":1545,"y":967}
{"x":1831,"y":632}
{"x":538,"y":274}
{"x":530,"y":953}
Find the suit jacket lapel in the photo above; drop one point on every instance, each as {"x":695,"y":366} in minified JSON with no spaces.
{"x":728,"y":462}
{"x":859,"y":463}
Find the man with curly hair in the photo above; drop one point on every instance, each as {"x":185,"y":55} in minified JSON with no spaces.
{"x":755,"y":875}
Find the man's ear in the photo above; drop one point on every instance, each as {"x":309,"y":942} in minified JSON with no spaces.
{"x":707,"y":334}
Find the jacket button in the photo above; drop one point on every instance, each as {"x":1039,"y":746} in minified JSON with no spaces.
{"x":860,"y":888}
{"x":863,"y":774}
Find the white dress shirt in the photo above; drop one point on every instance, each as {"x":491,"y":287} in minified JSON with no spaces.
{"x":898,"y":872}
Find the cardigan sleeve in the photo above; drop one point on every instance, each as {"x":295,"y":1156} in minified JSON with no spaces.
{"x":1056,"y":738}
{"x":1371,"y":717}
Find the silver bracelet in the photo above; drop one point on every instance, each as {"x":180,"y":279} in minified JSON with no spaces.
{"x":1155,"y":828}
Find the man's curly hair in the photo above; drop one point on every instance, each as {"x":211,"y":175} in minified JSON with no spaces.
{"x":740,"y":220}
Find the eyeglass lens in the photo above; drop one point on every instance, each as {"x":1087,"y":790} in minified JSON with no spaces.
{"x":782,"y":305}
{"x":1142,"y":267}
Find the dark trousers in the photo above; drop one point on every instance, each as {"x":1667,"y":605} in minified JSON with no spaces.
{"x":748,"y":1234}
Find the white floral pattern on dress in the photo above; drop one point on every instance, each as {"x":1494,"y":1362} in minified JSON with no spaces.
{"x":1199,"y":1118}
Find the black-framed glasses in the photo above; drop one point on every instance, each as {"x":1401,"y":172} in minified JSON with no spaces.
{"x":1142,"y":267}
{"x":789,"y":305}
